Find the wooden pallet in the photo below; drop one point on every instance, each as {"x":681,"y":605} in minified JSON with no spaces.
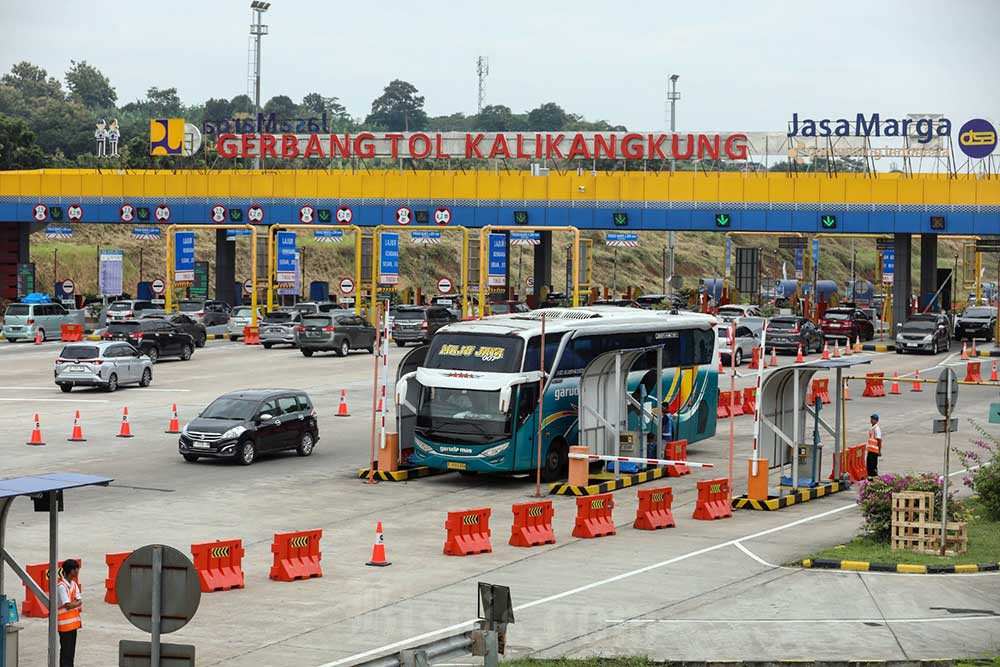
{"x":914,"y":528}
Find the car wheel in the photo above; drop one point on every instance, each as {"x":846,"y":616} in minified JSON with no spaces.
{"x":153,"y":354}
{"x":400,"y":343}
{"x":147,"y":378}
{"x":307,"y":353}
{"x":112,"y":382}
{"x":267,"y":346}
{"x":554,"y":464}
{"x":370,"y":349}
{"x":186,"y":353}
{"x":739,"y":357}
{"x":191,"y":458}
{"x":247,"y":453}
{"x":306,"y":444}
{"x":344,"y":349}
{"x":201,"y":341}
{"x":234,"y":338}
{"x":66,"y":388}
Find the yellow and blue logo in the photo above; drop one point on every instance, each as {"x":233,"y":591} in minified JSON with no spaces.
{"x":166,"y":136}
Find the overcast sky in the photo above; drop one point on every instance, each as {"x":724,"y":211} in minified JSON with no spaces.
{"x":742,"y":65}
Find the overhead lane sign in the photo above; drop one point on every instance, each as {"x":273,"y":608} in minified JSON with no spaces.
{"x":388,"y":271}
{"x":497,"y":274}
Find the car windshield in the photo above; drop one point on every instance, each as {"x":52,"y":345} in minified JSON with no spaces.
{"x":123,"y":327}
{"x":191,"y":306}
{"x":278,"y":318}
{"x":474,"y":352}
{"x":409,"y":314}
{"x":970,"y":312}
{"x":782,"y":325}
{"x":500,"y":308}
{"x":919,"y":325}
{"x":18,"y":310}
{"x":226,"y":407}
{"x":242,"y":312}
{"x":306,"y":307}
{"x":735,"y":312}
{"x":79,"y":352}
{"x":316,"y":321}
{"x":831,"y":315}
{"x":120,"y":305}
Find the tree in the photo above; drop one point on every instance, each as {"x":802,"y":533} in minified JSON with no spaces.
{"x":217,"y":109}
{"x":32,"y":81}
{"x":548,"y":117}
{"x":495,"y":118}
{"x":315,"y":104}
{"x":18,"y":149}
{"x":399,"y":108}
{"x":89,"y":86}
{"x":242,"y":104}
{"x":281,"y":106}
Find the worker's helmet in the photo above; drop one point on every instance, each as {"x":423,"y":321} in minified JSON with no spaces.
{"x":875,"y":416}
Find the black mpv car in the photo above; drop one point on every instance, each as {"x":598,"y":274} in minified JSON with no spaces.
{"x":243,"y":425}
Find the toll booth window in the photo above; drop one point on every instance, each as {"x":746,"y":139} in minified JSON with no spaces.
{"x":531,"y":360}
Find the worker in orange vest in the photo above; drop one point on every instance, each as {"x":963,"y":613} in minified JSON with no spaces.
{"x":69,"y":611}
{"x":874,"y":447}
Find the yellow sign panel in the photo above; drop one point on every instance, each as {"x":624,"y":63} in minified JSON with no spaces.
{"x":166,"y":136}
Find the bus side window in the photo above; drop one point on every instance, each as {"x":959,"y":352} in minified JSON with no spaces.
{"x":527,"y":401}
{"x":531,"y":360}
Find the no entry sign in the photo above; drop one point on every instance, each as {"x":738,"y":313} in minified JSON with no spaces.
{"x":68,"y":287}
{"x":346,"y":285}
{"x":247,"y":286}
{"x":158,"y":286}
{"x":444,"y":285}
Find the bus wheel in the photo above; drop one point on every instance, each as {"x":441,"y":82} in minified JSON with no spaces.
{"x":554,"y":465}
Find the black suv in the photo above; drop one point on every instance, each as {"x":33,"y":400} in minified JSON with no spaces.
{"x":977,"y":322}
{"x":417,"y":324}
{"x":155,"y":338}
{"x":786,"y":332}
{"x":242,"y":425}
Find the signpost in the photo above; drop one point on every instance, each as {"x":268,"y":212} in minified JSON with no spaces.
{"x":247,"y":286}
{"x":888,"y":265}
{"x":199,"y":286}
{"x":286,"y":266}
{"x":184,"y":257}
{"x":388,"y":272}
{"x":496,"y":275}
{"x":68,"y":287}
{"x":110,"y":270}
{"x":346,"y":285}
{"x":444,"y":285}
{"x":800,"y":262}
{"x":946,"y":396}
{"x":158,"y":286}
{"x":328,"y":235}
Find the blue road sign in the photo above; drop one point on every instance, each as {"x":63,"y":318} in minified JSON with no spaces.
{"x":146,"y":233}
{"x":328,"y":235}
{"x":110,"y":271}
{"x":285,"y":270}
{"x":525,"y":238}
{"x":800,"y":260}
{"x":233,"y":234}
{"x":184,"y":257}
{"x":388,"y":270}
{"x":497,"y":274}
{"x":888,"y":265}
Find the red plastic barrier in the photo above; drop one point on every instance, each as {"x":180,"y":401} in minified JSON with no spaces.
{"x":32,"y":606}
{"x":819,"y":388}
{"x":722,"y":409}
{"x":677,"y":450}
{"x":735,"y":403}
{"x":251,"y":335}
{"x":874,"y":385}
{"x":755,"y":359}
{"x":296,"y":555}
{"x":654,"y":511}
{"x":532,"y":524}
{"x":468,"y":533}
{"x":749,"y":400}
{"x":114,"y":563}
{"x":852,"y":461}
{"x":713,"y":500}
{"x":71,"y":333}
{"x":973,"y":372}
{"x":593,"y":516}
{"x":219,"y":565}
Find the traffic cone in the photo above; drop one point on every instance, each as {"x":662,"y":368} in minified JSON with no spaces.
{"x":857,"y":345}
{"x":36,"y":433}
{"x":894,"y":389}
{"x":847,"y":394}
{"x":774,"y":356}
{"x":826,"y":351}
{"x":798,"y":355}
{"x":973,"y":352}
{"x":38,"y":336}
{"x":847,"y":348}
{"x":342,"y":408}
{"x":916,"y":381}
{"x":126,"y":430}
{"x":965,"y":351}
{"x":174,"y":426}
{"x":378,"y":551}
{"x":722,"y":368}
{"x":77,"y":434}
{"x":836,"y":350}
{"x":993,"y":375}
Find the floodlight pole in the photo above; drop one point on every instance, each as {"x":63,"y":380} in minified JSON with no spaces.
{"x":257,"y":30}
{"x":672,"y":96}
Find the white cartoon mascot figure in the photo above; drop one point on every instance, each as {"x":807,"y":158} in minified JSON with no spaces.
{"x":113,"y":136}
{"x":101,"y":135}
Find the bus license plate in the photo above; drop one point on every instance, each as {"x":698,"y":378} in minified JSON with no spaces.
{"x":456,"y":465}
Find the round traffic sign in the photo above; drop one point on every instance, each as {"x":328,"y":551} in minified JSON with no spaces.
{"x":442,"y":215}
{"x":126,"y":213}
{"x":218,"y":213}
{"x":158,"y":286}
{"x":162,"y":213}
{"x":247,"y":286}
{"x":344,"y":215}
{"x":255,"y":214}
{"x":307,"y":214}
{"x":180,"y":590}
{"x":346,"y":285}
{"x":68,"y":286}
{"x":946,"y":393}
{"x":444,"y":285}
{"x":529,"y":282}
{"x":404,"y":215}
{"x":40,"y":212}
{"x":74,"y":212}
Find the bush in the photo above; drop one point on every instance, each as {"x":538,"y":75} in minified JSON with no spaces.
{"x":983,"y":464}
{"x":875,"y":499}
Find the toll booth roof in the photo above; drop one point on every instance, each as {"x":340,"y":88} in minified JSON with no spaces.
{"x":55,"y":481}
{"x":833,"y":364}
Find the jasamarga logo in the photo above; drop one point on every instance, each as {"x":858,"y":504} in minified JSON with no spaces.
{"x":923,"y":129}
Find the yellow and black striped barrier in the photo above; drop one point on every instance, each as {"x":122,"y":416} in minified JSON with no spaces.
{"x":899,"y":568}
{"x":606,"y":483}
{"x":789,"y":499}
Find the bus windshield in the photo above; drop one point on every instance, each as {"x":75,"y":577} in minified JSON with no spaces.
{"x":473,"y":352}
{"x":463,"y":415}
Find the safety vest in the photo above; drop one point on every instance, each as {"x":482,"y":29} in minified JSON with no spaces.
{"x":69,"y":619}
{"x":873,"y":444}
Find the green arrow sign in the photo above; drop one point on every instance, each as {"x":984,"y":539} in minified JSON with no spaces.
{"x":323,"y":214}
{"x":722,"y":219}
{"x":236,"y":214}
{"x":142,"y":213}
{"x":620,"y":219}
{"x":521,"y":217}
{"x":829,"y":221}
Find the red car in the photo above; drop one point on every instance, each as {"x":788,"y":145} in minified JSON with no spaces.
{"x":848,"y":323}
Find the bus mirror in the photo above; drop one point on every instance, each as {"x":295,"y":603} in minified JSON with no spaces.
{"x":505,"y":398}
{"x":401,"y":391}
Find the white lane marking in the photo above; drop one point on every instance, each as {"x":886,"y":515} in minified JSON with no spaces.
{"x":826,"y":621}
{"x":54,"y":400}
{"x":757,"y":558}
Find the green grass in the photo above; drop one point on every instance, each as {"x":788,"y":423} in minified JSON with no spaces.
{"x":984,"y":547}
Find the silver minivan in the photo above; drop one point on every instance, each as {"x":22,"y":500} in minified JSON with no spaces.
{"x":239,"y":320}
{"x":105,"y":364}
{"x":22,"y":320}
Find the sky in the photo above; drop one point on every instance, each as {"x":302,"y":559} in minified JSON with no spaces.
{"x":743,"y":66}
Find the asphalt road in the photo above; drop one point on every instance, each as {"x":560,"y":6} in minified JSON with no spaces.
{"x":702,"y":590}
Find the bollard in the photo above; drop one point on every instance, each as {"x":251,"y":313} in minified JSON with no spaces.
{"x":973,"y":372}
{"x":722,"y":409}
{"x":749,"y":400}
{"x":32,"y":607}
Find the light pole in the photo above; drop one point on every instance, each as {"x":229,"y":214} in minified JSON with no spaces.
{"x":672,"y":97}
{"x":257,"y":30}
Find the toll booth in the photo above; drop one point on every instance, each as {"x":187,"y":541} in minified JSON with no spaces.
{"x":618,"y":416}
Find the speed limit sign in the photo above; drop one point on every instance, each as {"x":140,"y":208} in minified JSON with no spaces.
{"x":158,"y":286}
{"x":346,"y":285}
{"x":247,"y":286}
{"x":68,"y":287}
{"x":444,"y":285}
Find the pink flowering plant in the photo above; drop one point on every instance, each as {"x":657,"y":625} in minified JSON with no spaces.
{"x":875,"y":499}
{"x":983,"y":465}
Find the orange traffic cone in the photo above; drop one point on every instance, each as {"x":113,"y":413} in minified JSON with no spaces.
{"x":857,"y":345}
{"x":836,"y":350}
{"x":342,"y":408}
{"x":174,"y":426}
{"x":965,"y":351}
{"x":38,"y":336}
{"x":378,"y":551}
{"x":126,"y":430}
{"x":774,"y":356}
{"x":916,"y":381}
{"x":798,"y":355}
{"x":993,"y":375}
{"x":847,"y":394}
{"x":36,"y":433}
{"x":826,"y":351}
{"x":894,"y":389}
{"x":847,"y":348}
{"x":973,"y":352}
{"x":722,"y":369}
{"x":77,"y":434}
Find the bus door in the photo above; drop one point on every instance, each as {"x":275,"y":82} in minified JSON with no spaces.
{"x":406,"y":411}
{"x":524,"y":434}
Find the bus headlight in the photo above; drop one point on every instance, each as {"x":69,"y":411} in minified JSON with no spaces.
{"x":423,"y":447}
{"x":493,"y":451}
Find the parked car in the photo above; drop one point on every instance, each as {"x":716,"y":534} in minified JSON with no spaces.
{"x":620,"y":303}
{"x":154,"y":337}
{"x":418,"y":324}
{"x":314,"y":307}
{"x":239,"y":320}
{"x":786,"y":332}
{"x":926,"y":332}
{"x":208,"y":312}
{"x":243,"y":425}
{"x":131,"y":309}
{"x":505,"y":308}
{"x":847,"y":323}
{"x":979,"y":322}
{"x":186,"y":324}
{"x":102,"y":364}
{"x":650,"y":300}
{"x":340,"y":332}
{"x":746,"y":340}
{"x":734,"y":311}
{"x":21,"y":321}
{"x":278,"y":328}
